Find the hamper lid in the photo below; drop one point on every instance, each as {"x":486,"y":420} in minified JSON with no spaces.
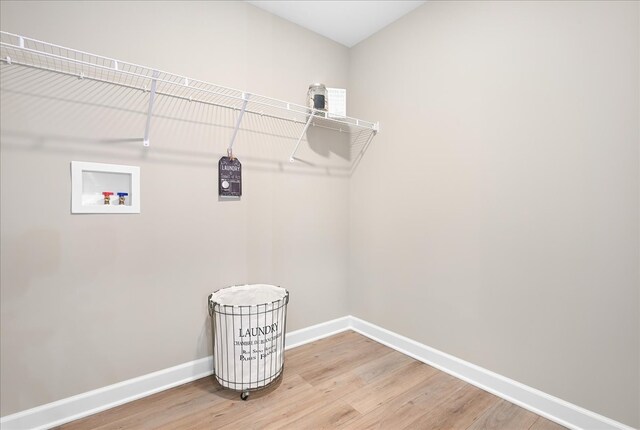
{"x":248,"y":295}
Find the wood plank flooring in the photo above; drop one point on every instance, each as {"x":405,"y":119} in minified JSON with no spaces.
{"x":346,"y":381}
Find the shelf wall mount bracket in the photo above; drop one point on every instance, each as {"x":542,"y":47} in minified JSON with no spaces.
{"x":304,"y":131}
{"x":243,"y":109}
{"x":152,"y":98}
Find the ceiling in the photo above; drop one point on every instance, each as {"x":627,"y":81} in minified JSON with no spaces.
{"x":346,"y":22}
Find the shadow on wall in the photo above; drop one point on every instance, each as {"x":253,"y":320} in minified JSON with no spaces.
{"x":326,"y":142}
{"x":205,"y":339}
{"x":44,"y":111}
{"x":132,"y":149}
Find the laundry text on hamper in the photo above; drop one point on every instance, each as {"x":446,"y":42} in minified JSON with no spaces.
{"x":256,"y":331}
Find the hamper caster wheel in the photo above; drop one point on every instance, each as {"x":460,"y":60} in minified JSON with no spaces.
{"x":244,"y":395}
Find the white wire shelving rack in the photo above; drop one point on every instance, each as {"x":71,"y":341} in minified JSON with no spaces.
{"x":28,"y":52}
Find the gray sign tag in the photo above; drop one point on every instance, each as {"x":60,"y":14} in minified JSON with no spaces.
{"x":229,"y":177}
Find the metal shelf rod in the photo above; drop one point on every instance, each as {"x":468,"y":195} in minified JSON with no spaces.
{"x":33,"y":53}
{"x":160,"y":93}
{"x":117,"y":67}
{"x":21,"y":46}
{"x":201,"y":90}
{"x":184,"y":98}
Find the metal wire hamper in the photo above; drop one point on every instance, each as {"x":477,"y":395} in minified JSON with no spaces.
{"x":248,"y":342}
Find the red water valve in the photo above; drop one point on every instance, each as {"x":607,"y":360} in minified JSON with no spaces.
{"x":107,"y":197}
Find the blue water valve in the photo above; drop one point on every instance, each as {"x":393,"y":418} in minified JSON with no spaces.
{"x":121,"y":197}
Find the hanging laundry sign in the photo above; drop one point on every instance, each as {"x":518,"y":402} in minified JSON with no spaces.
{"x":229,"y":177}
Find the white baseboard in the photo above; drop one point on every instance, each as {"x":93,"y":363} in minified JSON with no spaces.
{"x":91,"y":402}
{"x":94,"y":401}
{"x":553,"y":408}
{"x":72,"y":408}
{"x":318,"y":331}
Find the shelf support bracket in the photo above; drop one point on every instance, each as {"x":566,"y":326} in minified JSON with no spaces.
{"x":152,"y":97}
{"x":304,"y":130}
{"x":245,"y":100}
{"x":363,"y":150}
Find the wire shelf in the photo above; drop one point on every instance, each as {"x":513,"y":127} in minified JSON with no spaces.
{"x":28,"y":52}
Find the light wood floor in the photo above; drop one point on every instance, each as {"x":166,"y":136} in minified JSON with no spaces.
{"x":346,"y":381}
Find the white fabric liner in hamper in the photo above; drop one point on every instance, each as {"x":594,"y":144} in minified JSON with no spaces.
{"x":248,"y":331}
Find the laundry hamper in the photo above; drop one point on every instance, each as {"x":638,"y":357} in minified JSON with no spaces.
{"x":248,"y":324}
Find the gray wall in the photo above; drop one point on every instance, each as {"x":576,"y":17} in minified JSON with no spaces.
{"x":90,"y":300}
{"x":496,"y":216}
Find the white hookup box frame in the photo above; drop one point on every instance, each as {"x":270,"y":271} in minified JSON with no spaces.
{"x":90,"y":180}
{"x":248,"y":330}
